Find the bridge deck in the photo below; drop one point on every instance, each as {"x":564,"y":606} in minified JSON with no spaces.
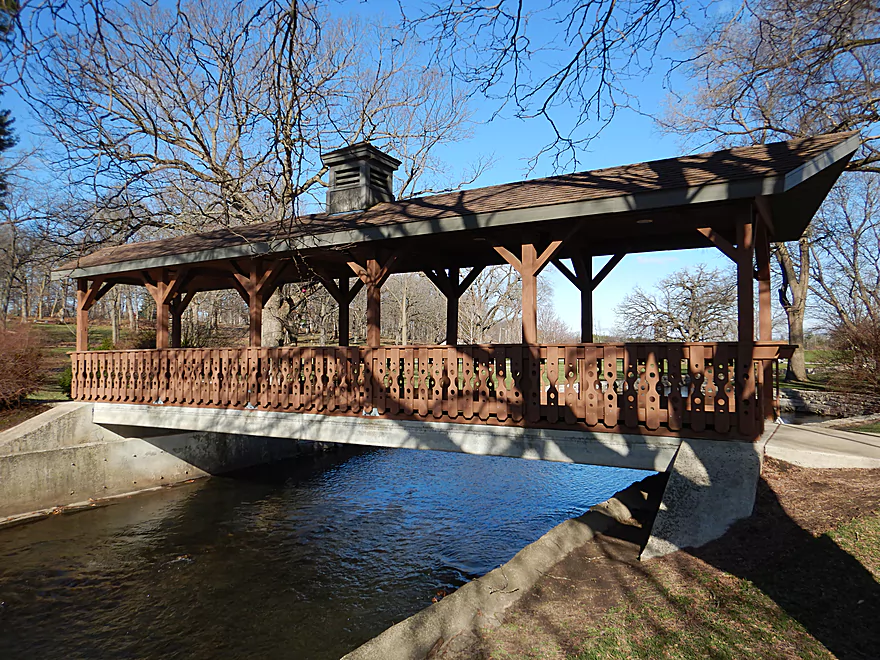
{"x":695,"y":390}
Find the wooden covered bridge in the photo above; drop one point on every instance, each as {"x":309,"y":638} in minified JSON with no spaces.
{"x":738,"y":200}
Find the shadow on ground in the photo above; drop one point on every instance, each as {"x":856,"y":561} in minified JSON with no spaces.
{"x":800,"y":594}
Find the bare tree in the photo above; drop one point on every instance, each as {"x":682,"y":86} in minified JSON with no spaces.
{"x":568,"y":62}
{"x":697,"y":304}
{"x":781,"y":69}
{"x":202,"y":114}
{"x":846,"y":245}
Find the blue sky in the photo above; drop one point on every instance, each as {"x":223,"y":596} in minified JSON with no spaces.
{"x":630,"y":138}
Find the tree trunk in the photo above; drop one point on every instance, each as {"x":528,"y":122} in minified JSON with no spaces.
{"x":114,"y":318}
{"x":273,"y":328}
{"x":795,"y":279}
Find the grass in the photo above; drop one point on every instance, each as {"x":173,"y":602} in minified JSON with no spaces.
{"x":873,"y":427}
{"x":729,"y":618}
{"x":720,"y":615}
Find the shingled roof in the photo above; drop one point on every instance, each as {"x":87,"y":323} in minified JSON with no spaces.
{"x":738,"y":172}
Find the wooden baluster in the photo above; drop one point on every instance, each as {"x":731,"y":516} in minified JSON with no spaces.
{"x":516,"y":375}
{"x":747,"y":404}
{"x":394,"y":373}
{"x":720,"y":373}
{"x":674,"y":407}
{"x":642,"y":383}
{"x":572,"y":412}
{"x":331,"y":375}
{"x":406,"y":393}
{"x":367,"y":379}
{"x":532,"y":385}
{"x":653,"y":362}
{"x":630,"y":391}
{"x":502,"y":404}
{"x":552,"y":392}
{"x":481,"y":373}
{"x":696,"y":368}
{"x":438,"y":376}
{"x":284,"y":384}
{"x":611,"y":406}
{"x":296,"y":378}
{"x":423,"y":374}
{"x":590,"y":388}
{"x":319,"y":379}
{"x":451,"y":405}
{"x":380,"y":380}
{"x":467,"y":384}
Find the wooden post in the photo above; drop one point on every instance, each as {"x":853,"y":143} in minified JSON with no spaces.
{"x":163,"y":313}
{"x":255,"y":308}
{"x":374,"y":305}
{"x":176,"y":326}
{"x":373,"y":275}
{"x":453,"y":288}
{"x":529,"y":294}
{"x":583,"y":279}
{"x":765,"y":317}
{"x":82,"y":316}
{"x":762,"y":256}
{"x":452,"y":318}
{"x":746,"y":324}
{"x":344,"y":302}
{"x":583,"y":268}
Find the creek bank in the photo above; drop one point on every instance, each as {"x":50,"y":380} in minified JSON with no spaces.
{"x":793,"y":580}
{"x":452,"y":622}
{"x":61,"y":458}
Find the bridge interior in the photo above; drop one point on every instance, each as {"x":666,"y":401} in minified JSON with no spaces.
{"x":738,"y":200}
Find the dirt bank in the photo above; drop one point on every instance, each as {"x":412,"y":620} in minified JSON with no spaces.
{"x":800,"y":578}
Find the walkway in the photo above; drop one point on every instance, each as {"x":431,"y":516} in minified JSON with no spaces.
{"x":815,"y":446}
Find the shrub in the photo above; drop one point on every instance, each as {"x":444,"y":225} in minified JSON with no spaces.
{"x":21,"y":365}
{"x":854,"y":363}
{"x":65,"y":381}
{"x":106,"y":344}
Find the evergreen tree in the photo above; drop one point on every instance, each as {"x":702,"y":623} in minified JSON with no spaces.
{"x":7,"y":141}
{"x":8,"y":11}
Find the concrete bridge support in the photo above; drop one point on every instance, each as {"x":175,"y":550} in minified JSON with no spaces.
{"x":711,"y":485}
{"x":62,"y":458}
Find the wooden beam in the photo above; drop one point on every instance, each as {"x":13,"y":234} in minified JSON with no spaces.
{"x":562,"y":268}
{"x":544,"y":258}
{"x":510,"y":258}
{"x":441,"y":281}
{"x":469,"y":279}
{"x":721,"y":243}
{"x":606,"y":269}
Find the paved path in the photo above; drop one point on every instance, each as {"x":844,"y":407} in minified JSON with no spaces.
{"x":821,"y":447}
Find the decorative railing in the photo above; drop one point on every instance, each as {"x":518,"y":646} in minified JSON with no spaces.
{"x":658,"y":389}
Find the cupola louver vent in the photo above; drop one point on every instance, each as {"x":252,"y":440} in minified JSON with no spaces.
{"x":360,"y":176}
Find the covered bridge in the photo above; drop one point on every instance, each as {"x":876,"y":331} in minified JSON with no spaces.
{"x":738,"y":200}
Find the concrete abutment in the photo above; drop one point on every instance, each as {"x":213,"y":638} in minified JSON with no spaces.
{"x":62,"y":457}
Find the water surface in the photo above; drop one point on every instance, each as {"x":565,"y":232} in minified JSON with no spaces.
{"x":304,"y":559}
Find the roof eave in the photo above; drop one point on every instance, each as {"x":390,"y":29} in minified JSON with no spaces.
{"x":650,"y":200}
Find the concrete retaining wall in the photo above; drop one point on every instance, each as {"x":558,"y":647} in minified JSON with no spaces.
{"x":61,"y":457}
{"x":829,"y":404}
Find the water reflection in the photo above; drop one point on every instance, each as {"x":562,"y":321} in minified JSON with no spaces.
{"x":308,"y":558}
